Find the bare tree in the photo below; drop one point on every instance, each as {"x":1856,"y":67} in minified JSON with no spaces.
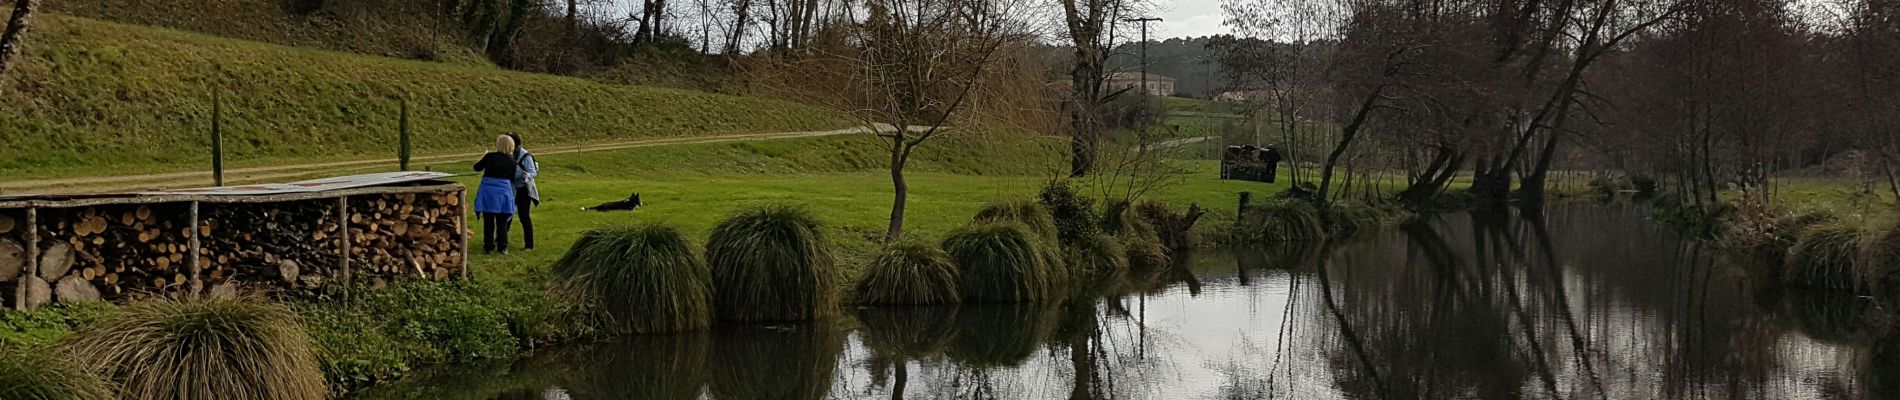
{"x":905,"y":71}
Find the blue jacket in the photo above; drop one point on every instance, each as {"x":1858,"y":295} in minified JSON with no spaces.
{"x":525,"y":171}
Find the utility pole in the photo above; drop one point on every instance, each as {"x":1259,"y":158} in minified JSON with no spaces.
{"x":1144,"y":61}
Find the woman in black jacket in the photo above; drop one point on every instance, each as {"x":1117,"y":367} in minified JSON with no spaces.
{"x":495,"y":198}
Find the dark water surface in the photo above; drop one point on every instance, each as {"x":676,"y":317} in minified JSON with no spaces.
{"x":1584,"y":302}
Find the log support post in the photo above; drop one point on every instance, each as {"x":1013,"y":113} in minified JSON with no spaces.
{"x":32,"y":258}
{"x":343,"y":238}
{"x":461,"y":228}
{"x":197,"y":285}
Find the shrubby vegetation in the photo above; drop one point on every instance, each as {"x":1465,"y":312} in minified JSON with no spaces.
{"x":772,"y":264}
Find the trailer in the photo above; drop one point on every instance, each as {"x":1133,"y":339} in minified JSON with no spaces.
{"x":313,"y":237}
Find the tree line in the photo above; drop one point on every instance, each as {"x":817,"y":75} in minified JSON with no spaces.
{"x":1704,"y":94}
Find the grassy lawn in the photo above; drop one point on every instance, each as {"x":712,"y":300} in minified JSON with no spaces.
{"x":90,"y":97}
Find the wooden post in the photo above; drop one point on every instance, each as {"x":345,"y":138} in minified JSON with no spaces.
{"x":32,"y":255}
{"x":197,"y":285}
{"x":461,"y":227}
{"x":217,"y":138}
{"x":343,"y":236}
{"x":403,"y":141}
{"x":1245,"y":198}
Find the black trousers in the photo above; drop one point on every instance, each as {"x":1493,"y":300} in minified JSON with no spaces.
{"x":1273,"y":169}
{"x":495,"y":231}
{"x":523,"y":204}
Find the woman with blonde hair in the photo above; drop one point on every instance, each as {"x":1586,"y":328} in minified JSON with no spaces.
{"x":495,"y":198}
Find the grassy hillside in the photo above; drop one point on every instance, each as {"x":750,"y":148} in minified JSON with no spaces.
{"x":92,"y":96}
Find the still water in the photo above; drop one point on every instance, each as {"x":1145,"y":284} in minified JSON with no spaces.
{"x":1581,"y":302}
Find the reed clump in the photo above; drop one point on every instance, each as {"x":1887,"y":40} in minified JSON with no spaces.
{"x":909,"y":272}
{"x":1097,"y":256}
{"x":643,"y":278}
{"x":1845,"y":253}
{"x":1001,"y":262}
{"x":1281,"y":220}
{"x":1031,"y":214}
{"x":34,"y":374}
{"x":772,"y":264}
{"x":204,"y":349}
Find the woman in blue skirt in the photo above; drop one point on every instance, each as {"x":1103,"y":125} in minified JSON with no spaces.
{"x":495,"y":199}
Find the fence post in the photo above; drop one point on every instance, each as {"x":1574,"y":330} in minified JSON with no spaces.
{"x":343,"y":237}
{"x":32,"y":259}
{"x":197,"y":285}
{"x":217,"y":138}
{"x":403,"y":126}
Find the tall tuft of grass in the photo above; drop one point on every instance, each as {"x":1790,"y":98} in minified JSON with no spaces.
{"x":644,"y":278}
{"x":1146,"y":255}
{"x":1038,"y":219}
{"x":907,"y":332}
{"x":1029,"y":213}
{"x":909,"y":272}
{"x":1847,"y":254}
{"x":204,"y":349}
{"x":31,"y":374}
{"x":772,"y":264}
{"x":1097,"y":256}
{"x":1001,"y":262}
{"x":1281,"y":220}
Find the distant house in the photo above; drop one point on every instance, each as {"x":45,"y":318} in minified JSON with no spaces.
{"x":1243,"y":96}
{"x":1157,"y":85}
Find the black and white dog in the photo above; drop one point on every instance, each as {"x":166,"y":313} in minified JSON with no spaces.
{"x":630,"y":203}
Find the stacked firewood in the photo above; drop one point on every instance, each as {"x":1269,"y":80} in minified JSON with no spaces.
{"x":129,"y":251}
{"x":110,"y":253}
{"x":12,"y":254}
{"x":406,"y":234}
{"x":284,"y":244}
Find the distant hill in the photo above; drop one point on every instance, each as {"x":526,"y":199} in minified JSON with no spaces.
{"x":90,"y":95}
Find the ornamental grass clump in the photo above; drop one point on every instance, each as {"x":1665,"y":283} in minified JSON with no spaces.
{"x":1848,"y":254}
{"x":1001,"y":262}
{"x":29,"y":374}
{"x":642,"y":278}
{"x":1031,"y":214}
{"x":1097,"y":256}
{"x":771,"y":264}
{"x":909,"y":272}
{"x":1282,"y":220}
{"x":204,"y":349}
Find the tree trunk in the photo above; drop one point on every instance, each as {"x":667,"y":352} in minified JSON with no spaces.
{"x":1345,"y":141}
{"x":16,"y":28}
{"x":573,"y":19}
{"x":900,"y":154}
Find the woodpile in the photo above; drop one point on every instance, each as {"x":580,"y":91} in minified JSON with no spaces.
{"x":114,"y":252}
{"x":406,"y":234}
{"x":253,"y":242}
{"x":119,"y":252}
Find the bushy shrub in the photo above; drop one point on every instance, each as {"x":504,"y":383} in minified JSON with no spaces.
{"x":909,"y":272}
{"x":1074,"y":214}
{"x":646,"y":278}
{"x":772,"y":264}
{"x":204,"y":349}
{"x":1001,"y":262}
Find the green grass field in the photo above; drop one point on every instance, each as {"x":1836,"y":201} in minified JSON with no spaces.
{"x":91,"y":97}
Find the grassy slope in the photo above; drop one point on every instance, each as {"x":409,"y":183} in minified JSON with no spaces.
{"x":94,"y":97}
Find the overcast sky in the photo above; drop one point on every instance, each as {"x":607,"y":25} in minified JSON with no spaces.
{"x":1184,"y":18}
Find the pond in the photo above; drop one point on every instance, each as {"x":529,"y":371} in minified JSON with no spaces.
{"x":1581,"y":302}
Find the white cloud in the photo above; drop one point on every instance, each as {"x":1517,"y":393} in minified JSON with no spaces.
{"x":1184,"y":18}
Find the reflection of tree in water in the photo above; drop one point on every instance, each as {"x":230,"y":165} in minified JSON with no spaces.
{"x":659,"y":367}
{"x":795,"y":362}
{"x":1594,"y":304}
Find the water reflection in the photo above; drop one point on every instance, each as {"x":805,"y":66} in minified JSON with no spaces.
{"x":1577,"y":302}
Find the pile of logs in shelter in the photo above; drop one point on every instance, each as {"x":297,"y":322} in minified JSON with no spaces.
{"x":302,"y":238}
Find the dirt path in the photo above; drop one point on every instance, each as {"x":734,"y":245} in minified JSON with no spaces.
{"x":284,"y":172}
